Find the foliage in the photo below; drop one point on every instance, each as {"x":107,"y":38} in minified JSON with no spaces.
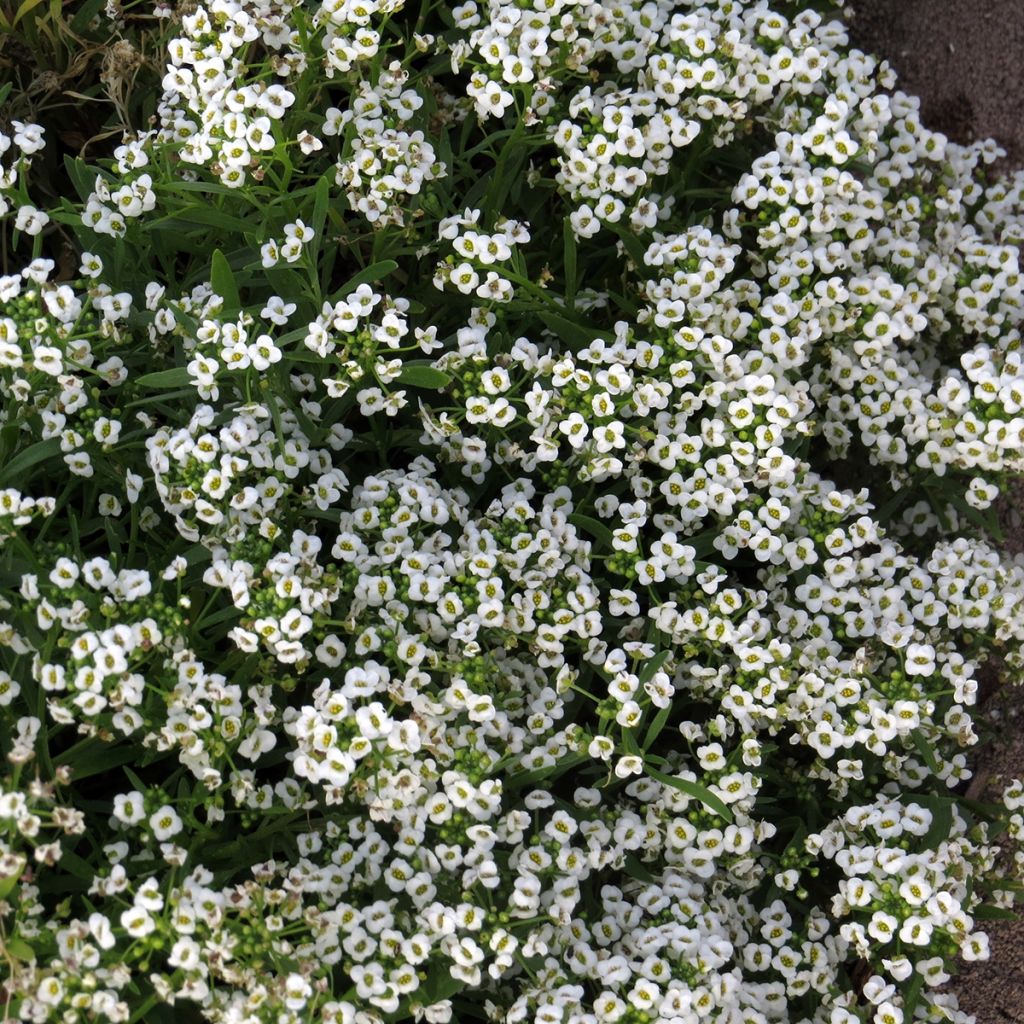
{"x":496,"y":516}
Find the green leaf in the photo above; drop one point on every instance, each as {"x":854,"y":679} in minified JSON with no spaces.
{"x":987,"y":522}
{"x":188,"y":392}
{"x":19,"y":949}
{"x":25,"y":460}
{"x":652,"y":666}
{"x":222,"y":280}
{"x":987,"y":913}
{"x":321,"y":194}
{"x":694,"y":789}
{"x":202,"y":217}
{"x":77,"y":866}
{"x":636,"y":870}
{"x":657,"y":725}
{"x":196,"y":554}
{"x":942,"y":821}
{"x":8,"y":883}
{"x":136,"y":781}
{"x":924,"y":748}
{"x":573,"y":333}
{"x":519,"y":780}
{"x":594,"y":527}
{"x":702,"y":542}
{"x":161,"y":380}
{"x":207,"y":188}
{"x":912,"y":994}
{"x":569,"y":249}
{"x":374,"y":273}
{"x":423,"y":377}
{"x":82,"y":176}
{"x":26,"y":8}
{"x":94,"y":757}
{"x":633,"y":246}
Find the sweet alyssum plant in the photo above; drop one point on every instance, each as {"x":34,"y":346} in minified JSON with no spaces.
{"x":494,"y":527}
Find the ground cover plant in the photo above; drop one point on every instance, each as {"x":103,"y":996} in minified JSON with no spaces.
{"x":496,"y":516}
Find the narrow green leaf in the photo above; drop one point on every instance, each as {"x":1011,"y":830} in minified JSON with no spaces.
{"x":82,"y":177}
{"x":629,"y":743}
{"x":136,"y":781}
{"x":424,"y":377}
{"x":693,"y":789}
{"x":374,"y":273}
{"x":574,"y":334}
{"x":84,"y":14}
{"x":188,"y":392}
{"x":161,"y":380}
{"x":912,"y":995}
{"x":26,"y":8}
{"x":31,"y":456}
{"x":185,"y":319}
{"x":633,"y":246}
{"x":924,"y":748}
{"x":520,"y":780}
{"x":209,"y":216}
{"x":569,"y":246}
{"x":594,"y":527}
{"x":942,"y":821}
{"x":321,"y":194}
{"x":702,"y":543}
{"x":987,"y":913}
{"x":636,"y":870}
{"x":301,"y":355}
{"x":652,"y":666}
{"x":988,"y":523}
{"x":19,"y":949}
{"x":657,"y":725}
{"x":196,"y":555}
{"x":77,"y":866}
{"x":439,"y":985}
{"x":94,"y":757}
{"x":222,"y":280}
{"x":207,"y":188}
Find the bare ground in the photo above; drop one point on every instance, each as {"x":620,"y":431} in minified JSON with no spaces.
{"x":963,"y":58}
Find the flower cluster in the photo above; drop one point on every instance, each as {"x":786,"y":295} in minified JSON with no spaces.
{"x":498,"y":526}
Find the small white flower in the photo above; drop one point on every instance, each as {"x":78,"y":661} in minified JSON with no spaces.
{"x":920,"y":660}
{"x":165,"y":822}
{"x":137,"y":922}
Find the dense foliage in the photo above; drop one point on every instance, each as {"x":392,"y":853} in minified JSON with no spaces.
{"x":496,"y":510}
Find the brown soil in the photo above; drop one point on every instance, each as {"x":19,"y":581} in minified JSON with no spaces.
{"x":962,"y":57}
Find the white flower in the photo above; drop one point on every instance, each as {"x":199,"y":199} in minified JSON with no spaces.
{"x":165,"y":822}
{"x":137,"y":922}
{"x":277,"y":310}
{"x":297,"y":992}
{"x":129,"y":808}
{"x":28,"y":137}
{"x":101,"y":930}
{"x":920,"y":660}
{"x":48,"y":359}
{"x":888,"y":1013}
{"x":270,"y":254}
{"x":628,"y":765}
{"x":30,"y":220}
{"x":186,"y":953}
{"x":50,"y":991}
{"x":975,"y":947}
